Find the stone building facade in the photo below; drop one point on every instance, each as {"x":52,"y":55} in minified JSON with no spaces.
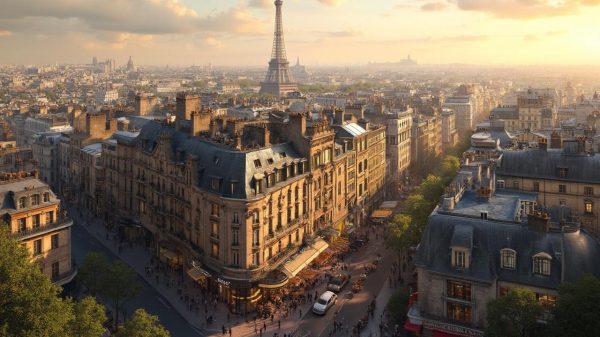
{"x":35,"y":219}
{"x":566,"y":180}
{"x":232,"y":202}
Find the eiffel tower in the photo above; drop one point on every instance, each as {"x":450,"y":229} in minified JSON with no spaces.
{"x":279,"y":79}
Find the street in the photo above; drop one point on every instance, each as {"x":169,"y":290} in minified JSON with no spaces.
{"x":352,"y":310}
{"x":149,"y":299}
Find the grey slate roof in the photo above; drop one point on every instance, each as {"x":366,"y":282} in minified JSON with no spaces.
{"x":543,"y":164}
{"x":505,"y":112}
{"x":217,"y":161}
{"x":579,"y":251}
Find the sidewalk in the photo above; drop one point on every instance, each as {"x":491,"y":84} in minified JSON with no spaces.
{"x":138,"y":258}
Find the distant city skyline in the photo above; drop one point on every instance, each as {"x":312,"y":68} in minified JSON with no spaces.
{"x":324,"y":32}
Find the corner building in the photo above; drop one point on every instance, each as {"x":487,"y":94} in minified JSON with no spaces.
{"x":232,"y":202}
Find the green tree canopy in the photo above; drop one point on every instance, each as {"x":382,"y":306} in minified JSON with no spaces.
{"x":89,"y":318}
{"x":578,"y":309}
{"x":448,"y":168}
{"x":119,"y":285}
{"x":432,"y":188}
{"x":396,"y":306}
{"x":142,"y":324}
{"x":401,"y":233}
{"x":93,"y":268}
{"x":514,"y":314}
{"x":30,"y":305}
{"x":418,"y":208}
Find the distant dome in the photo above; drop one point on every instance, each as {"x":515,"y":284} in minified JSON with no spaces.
{"x":297,"y":107}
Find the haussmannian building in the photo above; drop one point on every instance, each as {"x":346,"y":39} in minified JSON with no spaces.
{"x":480,"y":242}
{"x":35,"y":219}
{"x":567,"y":180}
{"x":240,"y":205}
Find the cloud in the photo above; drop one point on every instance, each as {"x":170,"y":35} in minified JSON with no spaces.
{"x":333,"y":3}
{"x":450,"y":39}
{"x":261,"y":3}
{"x":5,"y":33}
{"x":525,"y":9}
{"x":434,"y":6}
{"x":133,"y":16}
{"x":344,"y":33}
{"x":541,"y":36}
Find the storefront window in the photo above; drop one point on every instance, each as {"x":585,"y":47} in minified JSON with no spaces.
{"x":547,"y":301}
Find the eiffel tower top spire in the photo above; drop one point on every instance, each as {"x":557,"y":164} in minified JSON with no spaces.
{"x":278,"y":80}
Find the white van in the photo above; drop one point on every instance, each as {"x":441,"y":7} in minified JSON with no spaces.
{"x":325,"y":301}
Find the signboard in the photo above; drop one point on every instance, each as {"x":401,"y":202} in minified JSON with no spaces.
{"x":452,"y":328}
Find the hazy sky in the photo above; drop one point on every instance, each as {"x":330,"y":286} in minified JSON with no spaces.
{"x":320,"y":32}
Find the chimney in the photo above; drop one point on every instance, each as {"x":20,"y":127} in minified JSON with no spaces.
{"x":297,"y":123}
{"x":237,"y":142}
{"x":538,"y":222}
{"x":200,"y":123}
{"x":339,"y":116}
{"x":212,"y":129}
{"x":543,"y":144}
{"x":556,"y":141}
{"x":364,"y":124}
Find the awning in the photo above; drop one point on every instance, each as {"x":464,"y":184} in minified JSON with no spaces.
{"x":382,"y":213}
{"x":293,"y":267}
{"x":169,"y":254}
{"x":408,"y":326}
{"x":438,"y":333}
{"x":196,"y":274}
{"x":389,"y":204}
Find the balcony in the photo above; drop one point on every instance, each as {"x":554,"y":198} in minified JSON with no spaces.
{"x":48,"y":228}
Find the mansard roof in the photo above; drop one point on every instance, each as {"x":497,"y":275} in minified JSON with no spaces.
{"x":215,"y":161}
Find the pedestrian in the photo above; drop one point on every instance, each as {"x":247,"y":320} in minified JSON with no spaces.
{"x":265,"y":326}
{"x":223,"y":329}
{"x":279,"y":324}
{"x":230,"y":332}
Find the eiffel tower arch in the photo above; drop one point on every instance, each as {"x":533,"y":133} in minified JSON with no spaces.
{"x":279,"y":80}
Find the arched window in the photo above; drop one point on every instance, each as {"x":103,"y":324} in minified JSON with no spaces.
{"x":541,"y":264}
{"x":255,"y":218}
{"x":508,"y":258}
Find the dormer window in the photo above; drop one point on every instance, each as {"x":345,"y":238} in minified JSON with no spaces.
{"x":22,"y":202}
{"x":270,"y":161}
{"x":459,"y":259}
{"x":46,"y":197}
{"x":461,"y":245}
{"x":562,"y":172}
{"x":508,"y":258}
{"x":215,"y":184}
{"x":257,"y":163}
{"x":35,"y":200}
{"x":541,"y":264}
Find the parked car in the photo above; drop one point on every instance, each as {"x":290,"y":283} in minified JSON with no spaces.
{"x":325,"y":301}
{"x":337,"y":282}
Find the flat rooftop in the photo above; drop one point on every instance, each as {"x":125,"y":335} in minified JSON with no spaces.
{"x":503,"y":206}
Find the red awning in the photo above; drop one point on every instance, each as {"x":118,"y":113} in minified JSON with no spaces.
{"x":437,"y":333}
{"x":408,"y":326}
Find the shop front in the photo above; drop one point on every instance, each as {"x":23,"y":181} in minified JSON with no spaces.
{"x":446,"y":329}
{"x":241,"y":296}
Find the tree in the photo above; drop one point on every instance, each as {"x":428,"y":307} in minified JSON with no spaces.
{"x":432,"y":189}
{"x":89,"y":318}
{"x":448,"y":168}
{"x":418,"y":208}
{"x":514,"y":314}
{"x":29,"y":302}
{"x":119,"y":285}
{"x":397,"y":305}
{"x":142,"y":324}
{"x":92,"y":270}
{"x":577,"y":311}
